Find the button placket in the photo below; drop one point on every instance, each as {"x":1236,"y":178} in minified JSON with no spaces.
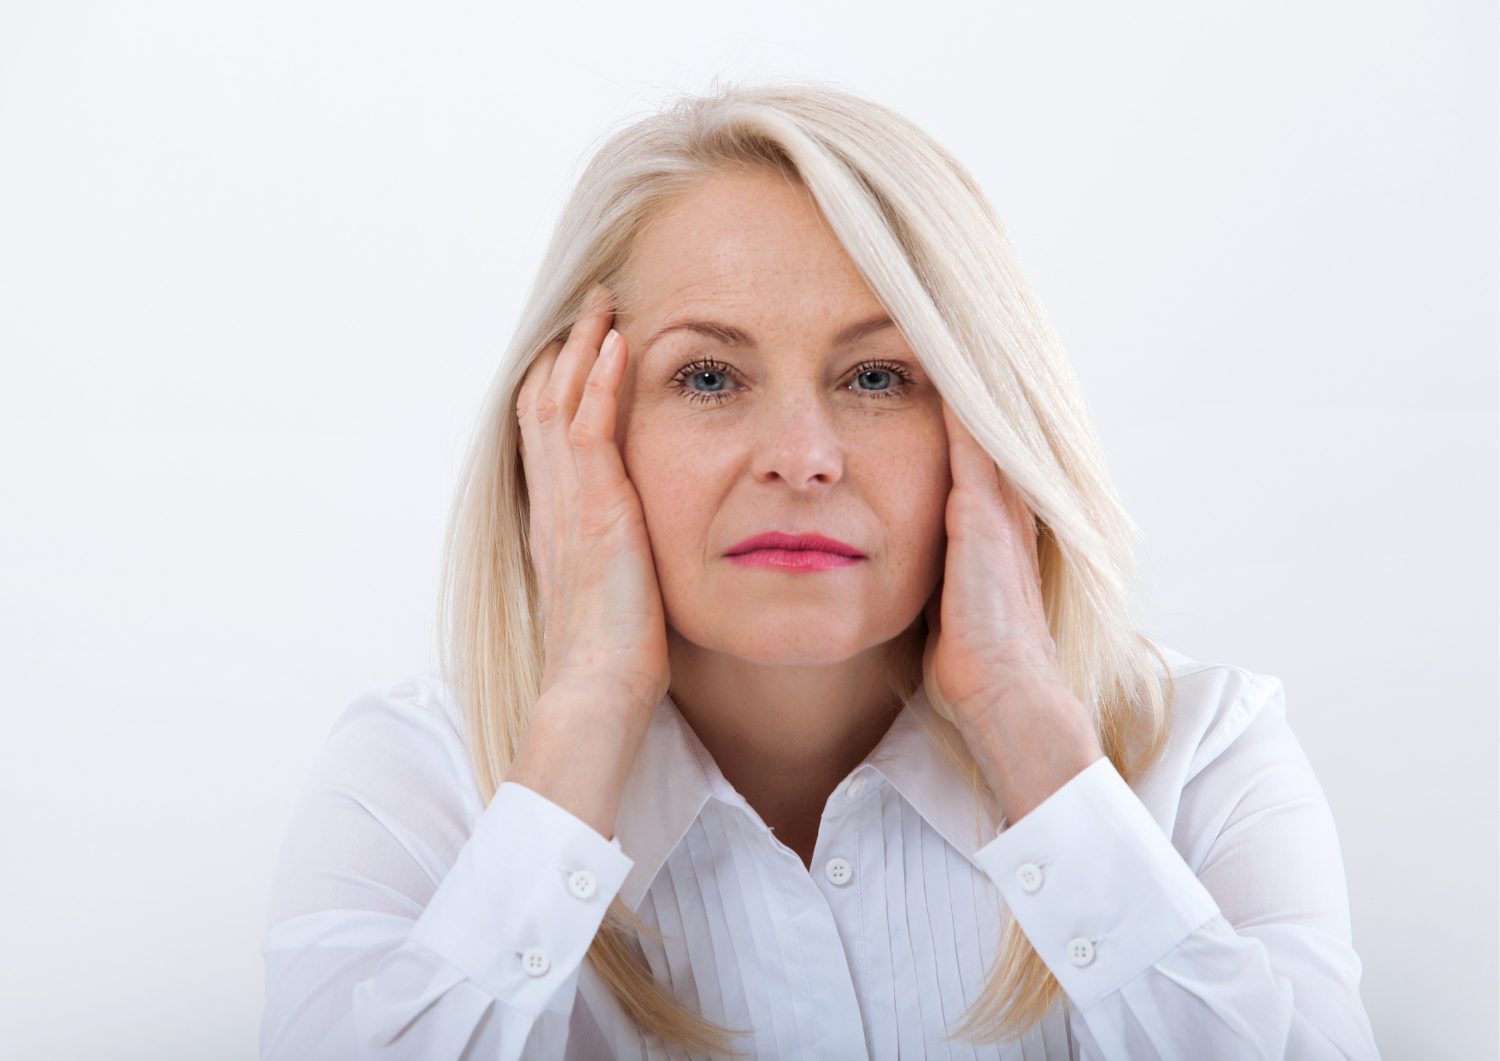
{"x":838,"y":871}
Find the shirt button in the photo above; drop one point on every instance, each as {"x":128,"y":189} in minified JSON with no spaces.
{"x":1030,"y":876}
{"x":581,"y":883}
{"x":1080,"y":951}
{"x":535,"y":961}
{"x":838,"y":871}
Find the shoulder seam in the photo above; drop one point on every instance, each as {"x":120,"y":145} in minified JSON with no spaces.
{"x":1236,"y":719}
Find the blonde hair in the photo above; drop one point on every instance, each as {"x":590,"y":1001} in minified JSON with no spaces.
{"x":919,"y":229}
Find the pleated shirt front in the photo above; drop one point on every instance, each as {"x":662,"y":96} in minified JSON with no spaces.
{"x":1199,"y":911}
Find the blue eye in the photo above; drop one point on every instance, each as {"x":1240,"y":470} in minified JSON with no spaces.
{"x":703,"y":367}
{"x":720,"y":373}
{"x":889,"y":388}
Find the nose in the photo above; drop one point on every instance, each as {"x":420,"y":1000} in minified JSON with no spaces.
{"x":800,"y":445}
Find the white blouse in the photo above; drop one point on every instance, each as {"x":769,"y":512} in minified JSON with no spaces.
{"x":1199,"y":912}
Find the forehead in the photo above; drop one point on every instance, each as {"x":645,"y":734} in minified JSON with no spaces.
{"x":746,"y":244}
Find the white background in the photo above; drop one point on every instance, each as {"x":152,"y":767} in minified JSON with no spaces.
{"x":257,"y":262}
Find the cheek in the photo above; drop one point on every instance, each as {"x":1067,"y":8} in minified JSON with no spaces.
{"x":926,"y":520}
{"x":670,"y":483}
{"x":925,"y":480}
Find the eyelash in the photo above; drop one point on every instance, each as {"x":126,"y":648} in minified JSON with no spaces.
{"x":708,"y":364}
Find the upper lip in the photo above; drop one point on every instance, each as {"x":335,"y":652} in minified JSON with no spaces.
{"x":781,"y":540}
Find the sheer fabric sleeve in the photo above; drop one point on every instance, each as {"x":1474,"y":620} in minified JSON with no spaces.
{"x":1230,"y":940}
{"x":405,"y":922}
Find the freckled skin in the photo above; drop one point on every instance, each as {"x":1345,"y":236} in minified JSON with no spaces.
{"x":781,"y":675}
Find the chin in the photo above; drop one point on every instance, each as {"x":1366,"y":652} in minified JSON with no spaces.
{"x":790,"y":642}
{"x":792,"y":656}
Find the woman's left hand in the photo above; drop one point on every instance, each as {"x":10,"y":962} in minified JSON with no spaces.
{"x":990,"y":664}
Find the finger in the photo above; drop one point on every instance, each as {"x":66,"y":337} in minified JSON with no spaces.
{"x":1024,"y":521}
{"x":558,"y":403}
{"x":972,"y":467}
{"x":532,"y":381}
{"x":1019,"y":510}
{"x":593,"y":431}
{"x":1020,"y":513}
{"x":540,"y":479}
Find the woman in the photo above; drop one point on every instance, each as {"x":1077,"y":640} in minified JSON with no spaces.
{"x":791,"y":704}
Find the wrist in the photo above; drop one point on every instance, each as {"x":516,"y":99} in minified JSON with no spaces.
{"x":591,"y":702}
{"x":1030,"y":747}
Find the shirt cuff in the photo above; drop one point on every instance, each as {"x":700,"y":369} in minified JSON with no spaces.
{"x":524,"y":899}
{"x":1095,"y":884}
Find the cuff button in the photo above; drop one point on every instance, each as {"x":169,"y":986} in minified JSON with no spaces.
{"x":582,"y":883}
{"x":535,"y":961}
{"x":1080,"y":951}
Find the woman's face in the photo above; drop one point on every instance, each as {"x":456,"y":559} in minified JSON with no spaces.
{"x":785,"y":428}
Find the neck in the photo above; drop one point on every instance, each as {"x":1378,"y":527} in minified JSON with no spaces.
{"x":785,"y":737}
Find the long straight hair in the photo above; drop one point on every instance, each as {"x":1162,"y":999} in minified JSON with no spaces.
{"x":920,"y":230}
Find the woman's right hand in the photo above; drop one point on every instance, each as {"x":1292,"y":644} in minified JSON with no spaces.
{"x":603,"y":624}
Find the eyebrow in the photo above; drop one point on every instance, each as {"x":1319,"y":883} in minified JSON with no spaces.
{"x":729,"y":335}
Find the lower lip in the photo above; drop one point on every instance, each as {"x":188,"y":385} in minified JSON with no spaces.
{"x":794,"y":559}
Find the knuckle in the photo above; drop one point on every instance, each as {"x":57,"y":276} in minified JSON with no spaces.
{"x":579,"y":433}
{"x":594,"y":521}
{"x":546,"y":406}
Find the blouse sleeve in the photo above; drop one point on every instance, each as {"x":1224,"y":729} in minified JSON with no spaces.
{"x":402,"y":927}
{"x":1243,"y":952}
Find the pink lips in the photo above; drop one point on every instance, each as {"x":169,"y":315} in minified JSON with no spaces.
{"x":794,"y":559}
{"x":794,"y":552}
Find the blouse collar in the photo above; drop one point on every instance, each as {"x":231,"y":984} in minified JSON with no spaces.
{"x":674,"y":777}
